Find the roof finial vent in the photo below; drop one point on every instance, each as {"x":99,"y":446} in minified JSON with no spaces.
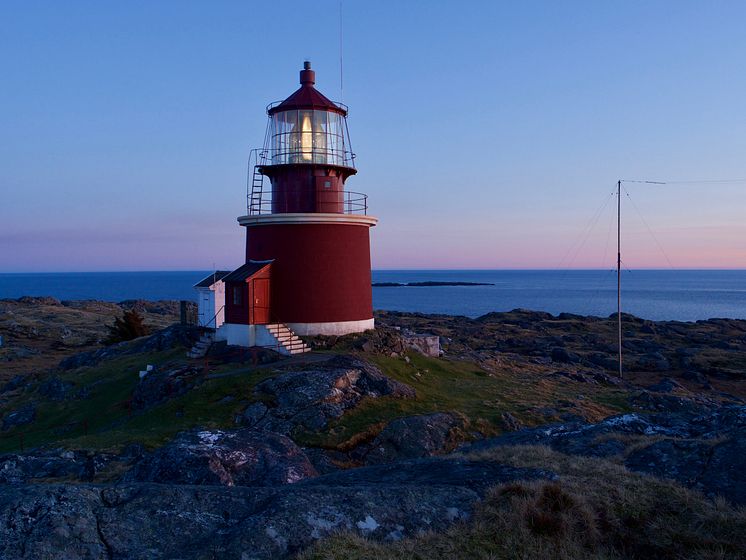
{"x":307,"y":76}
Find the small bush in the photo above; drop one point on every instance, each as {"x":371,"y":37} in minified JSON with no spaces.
{"x":127,"y":327}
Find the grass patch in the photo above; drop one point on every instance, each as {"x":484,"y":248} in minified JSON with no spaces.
{"x":111,"y":424}
{"x":597,"y":510}
{"x":479,"y":394}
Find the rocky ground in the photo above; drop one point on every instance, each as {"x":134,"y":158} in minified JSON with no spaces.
{"x":519,"y":441}
{"x":38,"y":332}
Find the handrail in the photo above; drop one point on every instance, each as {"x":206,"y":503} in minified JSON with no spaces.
{"x":339,"y":104}
{"x":298,"y":155}
{"x":335,"y":201}
{"x":214,"y":318}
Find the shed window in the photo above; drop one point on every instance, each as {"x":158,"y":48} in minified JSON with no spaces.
{"x":237,"y":296}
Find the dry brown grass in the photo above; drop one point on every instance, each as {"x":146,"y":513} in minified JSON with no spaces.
{"x":596,"y":510}
{"x":37,"y":335}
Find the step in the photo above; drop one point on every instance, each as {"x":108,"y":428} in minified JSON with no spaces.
{"x":286,"y":338}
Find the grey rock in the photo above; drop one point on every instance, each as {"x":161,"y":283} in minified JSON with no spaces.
{"x":511,"y":423}
{"x":666,"y":385}
{"x":477,"y":475}
{"x":161,"y":385}
{"x":694,"y":375}
{"x":232,"y":458}
{"x":16,"y":382}
{"x":576,"y":376}
{"x":53,"y":464}
{"x":714,"y":468}
{"x":698,"y":447}
{"x":253,"y":414}
{"x":606,"y":361}
{"x":55,"y":389}
{"x":654,"y":361}
{"x":142,"y":521}
{"x":19,"y":417}
{"x":308,"y":399}
{"x":670,"y":403}
{"x":564,"y":356}
{"x":413,"y":437}
{"x":425,"y":344}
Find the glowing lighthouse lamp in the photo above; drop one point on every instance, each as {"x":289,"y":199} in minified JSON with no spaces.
{"x":307,"y":267}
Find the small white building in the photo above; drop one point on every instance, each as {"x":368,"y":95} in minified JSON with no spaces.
{"x":211,"y":300}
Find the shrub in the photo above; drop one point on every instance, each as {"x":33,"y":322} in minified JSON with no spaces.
{"x":127,"y":327}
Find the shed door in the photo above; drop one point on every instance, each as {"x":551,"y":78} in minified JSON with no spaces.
{"x":206,"y":307}
{"x":259,"y":310}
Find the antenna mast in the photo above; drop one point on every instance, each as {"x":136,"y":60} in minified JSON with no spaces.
{"x":619,"y":270}
{"x":341,"y":83}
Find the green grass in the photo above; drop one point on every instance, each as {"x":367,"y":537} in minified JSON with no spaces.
{"x":464,"y":387}
{"x":480,"y":393}
{"x":110,"y":424}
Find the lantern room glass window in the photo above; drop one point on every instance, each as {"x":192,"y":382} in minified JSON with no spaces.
{"x":308,"y":136}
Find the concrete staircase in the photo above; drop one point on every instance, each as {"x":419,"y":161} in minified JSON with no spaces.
{"x":288,"y":342}
{"x":202,"y":346}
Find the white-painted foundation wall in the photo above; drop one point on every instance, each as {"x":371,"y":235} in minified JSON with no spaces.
{"x":338,"y":328}
{"x":245,"y":335}
{"x":258,"y":335}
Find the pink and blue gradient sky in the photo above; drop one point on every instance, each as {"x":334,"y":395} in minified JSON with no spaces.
{"x":487,"y":133}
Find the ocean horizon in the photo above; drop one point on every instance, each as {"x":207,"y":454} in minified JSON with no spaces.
{"x":683,"y":295}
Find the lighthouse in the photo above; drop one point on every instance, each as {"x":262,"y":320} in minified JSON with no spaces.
{"x":307,"y":261}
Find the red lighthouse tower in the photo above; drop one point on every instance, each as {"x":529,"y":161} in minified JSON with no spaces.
{"x":307,"y":265}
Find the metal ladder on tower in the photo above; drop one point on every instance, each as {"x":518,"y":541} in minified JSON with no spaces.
{"x":256,"y":183}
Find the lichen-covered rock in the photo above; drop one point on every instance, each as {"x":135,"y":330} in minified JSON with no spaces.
{"x":425,"y":344}
{"x":55,"y":389}
{"x":715,"y":468}
{"x":16,"y":382}
{"x":59,"y":464}
{"x":699,"y":448}
{"x":19,"y":417}
{"x":412,"y":437}
{"x":160,"y":385}
{"x":143,"y":521}
{"x":563,"y":355}
{"x":231,"y":458}
{"x":308,"y":399}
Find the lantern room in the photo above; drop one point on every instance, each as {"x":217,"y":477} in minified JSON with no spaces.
{"x":307,"y":155}
{"x":307,"y":127}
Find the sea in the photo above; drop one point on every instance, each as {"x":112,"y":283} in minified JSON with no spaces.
{"x":681,"y":295}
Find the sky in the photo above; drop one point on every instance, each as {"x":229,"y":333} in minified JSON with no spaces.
{"x":488,"y":134}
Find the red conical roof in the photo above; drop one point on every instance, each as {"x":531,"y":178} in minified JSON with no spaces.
{"x":307,"y":96}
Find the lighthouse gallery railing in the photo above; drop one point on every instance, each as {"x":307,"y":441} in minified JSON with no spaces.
{"x":260,"y":201}
{"x":303,"y":200}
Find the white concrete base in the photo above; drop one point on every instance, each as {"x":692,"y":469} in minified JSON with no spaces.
{"x":246,"y":335}
{"x":258,"y":335}
{"x":329,"y":329}
{"x":235,"y":334}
